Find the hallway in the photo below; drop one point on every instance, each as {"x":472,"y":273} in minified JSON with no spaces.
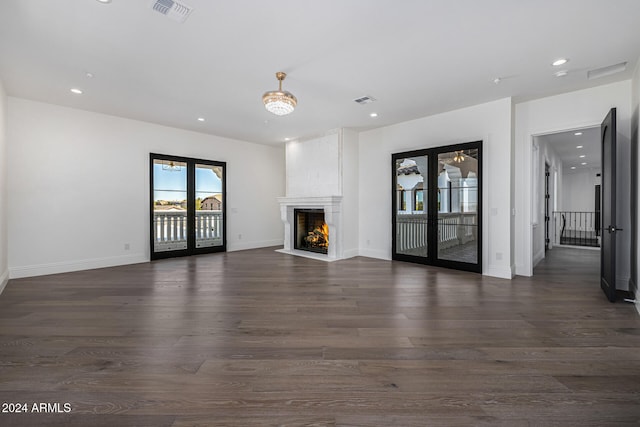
{"x":566,"y":263}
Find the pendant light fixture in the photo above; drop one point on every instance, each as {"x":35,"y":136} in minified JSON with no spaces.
{"x":279,"y":102}
{"x":459,"y":157}
{"x":170,"y":166}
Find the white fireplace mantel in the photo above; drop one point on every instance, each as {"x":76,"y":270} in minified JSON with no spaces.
{"x":332,"y":206}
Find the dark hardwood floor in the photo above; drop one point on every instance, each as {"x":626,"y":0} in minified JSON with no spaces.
{"x":259,"y":338}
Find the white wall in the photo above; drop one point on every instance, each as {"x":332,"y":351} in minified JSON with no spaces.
{"x":350,"y":192}
{"x":574,"y":110}
{"x":635,"y":183}
{"x":579,"y":191}
{"x":314,"y":166}
{"x":79,"y":187}
{"x":4,"y":264}
{"x":491,"y":123}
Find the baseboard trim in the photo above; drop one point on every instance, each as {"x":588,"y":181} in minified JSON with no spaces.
{"x":350,"y":253}
{"x":500,"y":272}
{"x":520,"y":271}
{"x":373,"y":253}
{"x":236,"y":246}
{"x":4,"y":279}
{"x":69,"y":266}
{"x":538,"y":257}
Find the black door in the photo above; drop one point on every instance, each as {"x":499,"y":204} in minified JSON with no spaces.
{"x":188,"y":206}
{"x":597,"y":207}
{"x":437,"y":206}
{"x":608,"y":211}
{"x":547,"y":210}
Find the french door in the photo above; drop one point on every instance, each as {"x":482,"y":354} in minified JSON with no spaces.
{"x":188,"y":206}
{"x":437,"y":194}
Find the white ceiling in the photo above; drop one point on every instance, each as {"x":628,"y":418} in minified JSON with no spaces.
{"x":565,"y":145}
{"x":416,"y":57}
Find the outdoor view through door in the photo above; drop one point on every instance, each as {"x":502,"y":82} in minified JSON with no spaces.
{"x":187,"y":206}
{"x":436,"y":206}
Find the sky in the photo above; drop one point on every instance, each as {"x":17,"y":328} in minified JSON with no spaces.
{"x":172,"y":185}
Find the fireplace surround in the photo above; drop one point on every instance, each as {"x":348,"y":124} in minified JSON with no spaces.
{"x":322,"y":174}
{"x":331,"y":207}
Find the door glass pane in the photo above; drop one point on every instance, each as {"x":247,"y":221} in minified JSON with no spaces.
{"x":458,"y":206}
{"x":209,"y":202}
{"x":411,"y":202}
{"x":169,"y":205}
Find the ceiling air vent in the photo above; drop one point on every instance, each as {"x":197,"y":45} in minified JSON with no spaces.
{"x":175,"y":10}
{"x":365,"y":100}
{"x":606,"y":71}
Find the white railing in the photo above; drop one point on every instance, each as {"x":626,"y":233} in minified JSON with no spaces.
{"x":170,"y":229}
{"x":453,"y":229}
{"x":411,"y":232}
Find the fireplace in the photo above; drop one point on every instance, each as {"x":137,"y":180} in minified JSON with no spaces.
{"x":331,"y":209}
{"x":311,"y":231}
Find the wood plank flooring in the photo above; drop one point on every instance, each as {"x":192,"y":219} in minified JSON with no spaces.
{"x":260,"y":338}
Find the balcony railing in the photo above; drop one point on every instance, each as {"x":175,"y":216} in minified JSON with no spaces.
{"x":454,"y":229}
{"x":170,"y":229}
{"x":576,"y":228}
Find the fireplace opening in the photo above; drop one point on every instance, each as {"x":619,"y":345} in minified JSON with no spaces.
{"x":311,"y":232}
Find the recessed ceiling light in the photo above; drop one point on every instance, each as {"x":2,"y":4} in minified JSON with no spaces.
{"x":104,"y":1}
{"x":578,"y":133}
{"x":76,"y":91}
{"x":373,"y":115}
{"x":579,"y":146}
{"x":561,"y":73}
{"x":573,"y":167}
{"x":497,"y":80}
{"x":201,"y":119}
{"x":583,"y":163}
{"x":582,"y":156}
{"x":559,"y":61}
{"x":88,"y":75}
{"x":287,"y":139}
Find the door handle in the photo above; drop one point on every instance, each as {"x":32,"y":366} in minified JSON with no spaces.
{"x":613,"y":229}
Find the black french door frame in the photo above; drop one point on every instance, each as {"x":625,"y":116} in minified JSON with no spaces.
{"x":432,"y":207}
{"x":191,"y":207}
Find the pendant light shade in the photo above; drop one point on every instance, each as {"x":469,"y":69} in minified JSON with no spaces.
{"x":459,"y":157}
{"x":279,"y":102}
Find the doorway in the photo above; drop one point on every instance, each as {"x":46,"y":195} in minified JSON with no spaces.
{"x":437,"y":215}
{"x":565,"y":170}
{"x":188,"y":204}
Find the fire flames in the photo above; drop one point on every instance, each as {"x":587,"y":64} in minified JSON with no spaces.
{"x":325,"y":233}
{"x":319,"y":237}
